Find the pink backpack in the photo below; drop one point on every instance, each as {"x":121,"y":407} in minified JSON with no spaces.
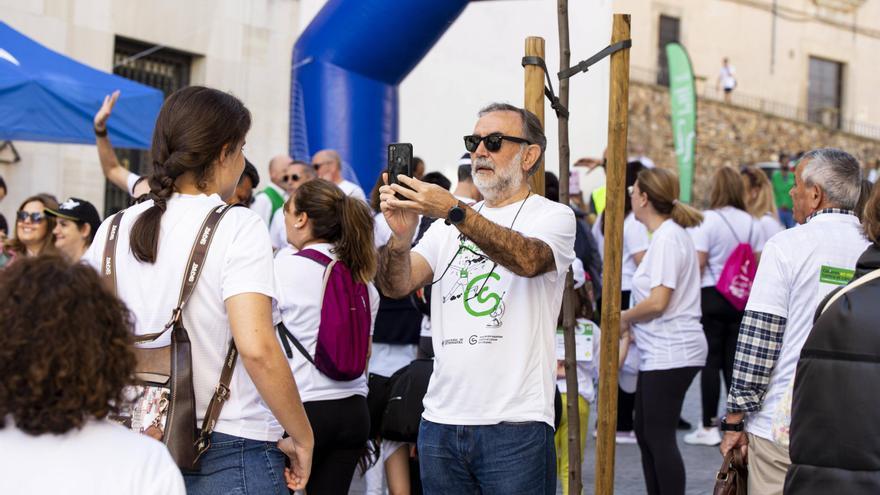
{"x":344,"y":331}
{"x":735,"y":281}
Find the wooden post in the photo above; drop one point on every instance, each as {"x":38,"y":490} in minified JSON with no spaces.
{"x":616,"y":170}
{"x":575,"y":480}
{"x":534,"y":101}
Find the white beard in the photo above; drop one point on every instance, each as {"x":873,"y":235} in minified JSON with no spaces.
{"x":504,"y":181}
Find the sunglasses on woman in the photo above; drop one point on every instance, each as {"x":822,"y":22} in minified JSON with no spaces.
{"x":493,"y":141}
{"x":293,"y":177}
{"x":35,"y":217}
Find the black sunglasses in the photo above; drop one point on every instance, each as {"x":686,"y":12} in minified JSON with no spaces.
{"x":493,"y":141}
{"x":293,"y":177}
{"x":35,"y":217}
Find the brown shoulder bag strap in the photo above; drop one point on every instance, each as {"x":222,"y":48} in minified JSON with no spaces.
{"x":108,"y":268}
{"x":191,"y":277}
{"x":193,"y":270}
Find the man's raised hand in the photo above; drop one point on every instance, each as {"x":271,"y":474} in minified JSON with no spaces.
{"x":401,"y":218}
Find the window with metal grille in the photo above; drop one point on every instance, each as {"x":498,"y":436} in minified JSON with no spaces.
{"x":824,"y":92}
{"x":669,"y":31}
{"x":162,"y":68}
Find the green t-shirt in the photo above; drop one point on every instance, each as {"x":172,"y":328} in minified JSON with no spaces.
{"x":276,"y":199}
{"x":781,"y":187}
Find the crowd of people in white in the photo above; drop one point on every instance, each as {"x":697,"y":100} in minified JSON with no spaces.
{"x":310,"y":302}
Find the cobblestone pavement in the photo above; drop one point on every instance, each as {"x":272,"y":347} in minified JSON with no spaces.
{"x":701,"y":463}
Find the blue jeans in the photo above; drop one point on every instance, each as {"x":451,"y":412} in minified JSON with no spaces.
{"x":787,"y":218}
{"x":238,"y":466}
{"x":504,"y":459}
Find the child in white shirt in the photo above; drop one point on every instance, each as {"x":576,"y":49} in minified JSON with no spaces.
{"x":587,"y":356}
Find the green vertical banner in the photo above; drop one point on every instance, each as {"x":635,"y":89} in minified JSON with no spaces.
{"x":683,"y":102}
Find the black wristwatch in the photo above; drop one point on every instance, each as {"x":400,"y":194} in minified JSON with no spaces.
{"x":455,"y":215}
{"x":725,"y":426}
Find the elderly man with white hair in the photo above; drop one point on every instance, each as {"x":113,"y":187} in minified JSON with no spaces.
{"x":328,"y":166}
{"x":798,"y":268}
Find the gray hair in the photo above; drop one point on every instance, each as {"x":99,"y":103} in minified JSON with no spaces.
{"x":836,"y":172}
{"x":334,"y":155}
{"x":307,"y":169}
{"x":532,"y":129}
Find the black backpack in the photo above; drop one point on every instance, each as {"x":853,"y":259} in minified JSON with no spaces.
{"x":406,"y":390}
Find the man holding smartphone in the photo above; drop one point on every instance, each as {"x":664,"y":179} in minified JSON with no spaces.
{"x":500,"y":268}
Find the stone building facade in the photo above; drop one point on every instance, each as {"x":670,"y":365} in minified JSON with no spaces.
{"x":729,"y":135}
{"x":238,"y":46}
{"x":817,"y":57}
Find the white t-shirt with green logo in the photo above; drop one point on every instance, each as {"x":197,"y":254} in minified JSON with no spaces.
{"x":494,"y":332}
{"x":798,"y":268}
{"x":674,"y":339}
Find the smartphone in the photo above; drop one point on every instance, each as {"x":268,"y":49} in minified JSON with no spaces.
{"x":399,"y":163}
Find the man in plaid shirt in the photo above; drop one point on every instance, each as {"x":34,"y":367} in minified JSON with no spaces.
{"x":798,"y":268}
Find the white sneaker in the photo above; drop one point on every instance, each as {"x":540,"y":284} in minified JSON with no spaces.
{"x":625,"y":437}
{"x":621,"y":437}
{"x":703,"y":436}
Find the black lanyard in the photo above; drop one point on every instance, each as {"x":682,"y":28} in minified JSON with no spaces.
{"x":461,"y":246}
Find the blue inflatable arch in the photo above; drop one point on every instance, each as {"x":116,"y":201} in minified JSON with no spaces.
{"x":346,"y":69}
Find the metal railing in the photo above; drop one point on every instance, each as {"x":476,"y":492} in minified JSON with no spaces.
{"x":825,"y":117}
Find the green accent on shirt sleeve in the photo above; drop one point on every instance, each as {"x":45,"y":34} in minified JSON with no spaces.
{"x":835,"y":276}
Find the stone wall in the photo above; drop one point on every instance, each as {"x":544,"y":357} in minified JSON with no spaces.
{"x":728,"y":135}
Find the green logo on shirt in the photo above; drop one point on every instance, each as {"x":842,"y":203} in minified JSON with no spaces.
{"x":477,"y":297}
{"x":482,"y":297}
{"x":835,"y":276}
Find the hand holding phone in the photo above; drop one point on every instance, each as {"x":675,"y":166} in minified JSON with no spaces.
{"x":399,"y":163}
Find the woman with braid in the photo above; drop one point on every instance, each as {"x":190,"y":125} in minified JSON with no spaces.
{"x":197,"y":161}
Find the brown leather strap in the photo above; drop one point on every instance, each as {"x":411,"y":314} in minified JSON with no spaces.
{"x":194,"y":265}
{"x":193,"y":271}
{"x":191,"y":277}
{"x":198,"y":254}
{"x":221,"y":394}
{"x":108,"y":270}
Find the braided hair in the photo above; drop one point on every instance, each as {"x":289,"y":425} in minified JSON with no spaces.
{"x":193,"y":126}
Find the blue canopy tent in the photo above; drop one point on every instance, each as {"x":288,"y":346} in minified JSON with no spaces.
{"x":46,"y":96}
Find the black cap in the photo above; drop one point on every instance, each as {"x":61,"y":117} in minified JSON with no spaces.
{"x":78,"y":210}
